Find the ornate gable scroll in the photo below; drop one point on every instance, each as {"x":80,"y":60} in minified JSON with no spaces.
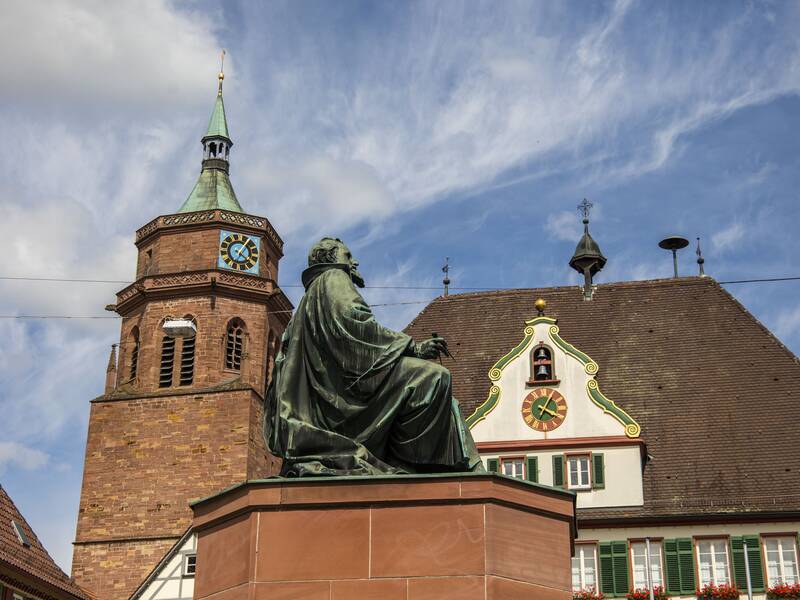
{"x":513,"y":387}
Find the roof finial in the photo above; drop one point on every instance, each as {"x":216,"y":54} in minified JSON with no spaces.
{"x":700,"y":259}
{"x":584,"y":208}
{"x":587,"y":260}
{"x":446,"y":271}
{"x":221,"y":71}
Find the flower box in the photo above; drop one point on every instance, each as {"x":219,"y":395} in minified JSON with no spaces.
{"x":644,"y":594}
{"x":784,"y":591}
{"x":723,"y":591}
{"x":587,"y":594}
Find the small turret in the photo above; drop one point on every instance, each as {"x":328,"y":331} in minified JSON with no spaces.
{"x":587,"y":259}
{"x":213,"y":188}
{"x":111,"y":370}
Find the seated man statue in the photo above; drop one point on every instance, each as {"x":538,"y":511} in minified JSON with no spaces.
{"x":351,"y":397}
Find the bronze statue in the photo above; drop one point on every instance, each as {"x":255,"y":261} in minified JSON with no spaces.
{"x":351,"y":397}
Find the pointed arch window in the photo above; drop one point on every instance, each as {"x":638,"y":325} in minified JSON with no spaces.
{"x":543,"y":369}
{"x":234,"y":345}
{"x":134,"y":346}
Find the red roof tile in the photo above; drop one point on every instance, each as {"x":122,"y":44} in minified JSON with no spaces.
{"x":716,"y":394}
{"x":33,"y":559}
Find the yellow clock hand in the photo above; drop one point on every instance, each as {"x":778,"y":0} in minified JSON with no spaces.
{"x":543,"y":407}
{"x":547,"y":410}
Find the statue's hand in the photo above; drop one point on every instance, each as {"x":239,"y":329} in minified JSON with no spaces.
{"x":431,"y":348}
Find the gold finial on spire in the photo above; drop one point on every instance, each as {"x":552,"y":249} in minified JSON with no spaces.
{"x":221,"y":71}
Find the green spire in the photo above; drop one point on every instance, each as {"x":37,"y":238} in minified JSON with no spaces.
{"x":218,"y":125}
{"x":213,"y":188}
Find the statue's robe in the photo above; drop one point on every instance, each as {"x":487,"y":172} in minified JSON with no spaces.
{"x":348,"y":398}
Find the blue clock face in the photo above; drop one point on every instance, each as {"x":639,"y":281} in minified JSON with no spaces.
{"x":238,"y":252}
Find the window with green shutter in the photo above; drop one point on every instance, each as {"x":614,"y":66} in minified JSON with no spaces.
{"x":598,"y":472}
{"x":614,"y":568}
{"x":679,"y":562}
{"x":753,"y":558}
{"x":532,"y":468}
{"x":558,"y":471}
{"x":493,"y":465}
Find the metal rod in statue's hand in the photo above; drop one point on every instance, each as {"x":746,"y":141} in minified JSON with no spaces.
{"x":444,"y":350}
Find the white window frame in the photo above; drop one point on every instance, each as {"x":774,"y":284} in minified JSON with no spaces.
{"x":656,"y":563}
{"x":186,"y":557}
{"x":580,"y":485}
{"x":783,"y":541}
{"x":580,"y":556}
{"x":514,"y":462}
{"x":716,"y":544}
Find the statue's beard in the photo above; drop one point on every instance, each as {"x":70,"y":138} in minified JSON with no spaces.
{"x":356,"y":277}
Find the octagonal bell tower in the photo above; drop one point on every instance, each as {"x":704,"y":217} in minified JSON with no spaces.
{"x":181,"y":415}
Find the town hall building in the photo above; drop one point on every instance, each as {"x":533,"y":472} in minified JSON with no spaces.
{"x":665,"y":406}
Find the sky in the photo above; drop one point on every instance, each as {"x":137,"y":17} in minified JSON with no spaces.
{"x":414,"y":131}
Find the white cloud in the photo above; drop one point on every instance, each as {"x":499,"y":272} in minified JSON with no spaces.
{"x":106,"y":55}
{"x":17,"y":455}
{"x":563,"y":225}
{"x":726,"y":239}
{"x":787,"y":323}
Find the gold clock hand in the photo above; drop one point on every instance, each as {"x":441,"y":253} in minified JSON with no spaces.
{"x":543,"y":407}
{"x":547,"y":410}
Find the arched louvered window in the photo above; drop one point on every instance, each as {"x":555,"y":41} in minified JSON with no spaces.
{"x":167,"y":361}
{"x":134,"y":350}
{"x":187,"y":356}
{"x":234,"y":345}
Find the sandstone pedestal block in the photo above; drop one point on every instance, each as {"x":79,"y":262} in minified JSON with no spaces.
{"x":465,"y":536}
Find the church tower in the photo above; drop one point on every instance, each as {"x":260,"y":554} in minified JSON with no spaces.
{"x":181,"y":415}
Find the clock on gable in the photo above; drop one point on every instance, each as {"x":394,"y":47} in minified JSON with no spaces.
{"x":238,"y":252}
{"x":544,"y":409}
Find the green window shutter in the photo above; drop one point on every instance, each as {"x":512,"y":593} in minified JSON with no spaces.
{"x":672,"y":566}
{"x":754,"y":558}
{"x":686,"y":563}
{"x":558,"y":471}
{"x":737,"y":552}
{"x":532,"y":468}
{"x":619,"y":552}
{"x":606,"y":569}
{"x":493,"y":465}
{"x":598,"y":472}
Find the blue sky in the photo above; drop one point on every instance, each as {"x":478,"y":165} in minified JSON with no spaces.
{"x":413,"y":130}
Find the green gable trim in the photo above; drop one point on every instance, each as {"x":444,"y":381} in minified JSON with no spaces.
{"x":589,"y":365}
{"x":213,"y":190}
{"x":497,"y":370}
{"x":632,"y":428}
{"x":485,"y":408}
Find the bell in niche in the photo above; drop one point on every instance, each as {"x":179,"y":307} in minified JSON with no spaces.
{"x":542,"y":372}
{"x":541,"y":354}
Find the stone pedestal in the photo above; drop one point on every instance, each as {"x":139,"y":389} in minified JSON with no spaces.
{"x":461,"y":536}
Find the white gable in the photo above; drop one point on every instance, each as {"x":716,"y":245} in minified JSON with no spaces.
{"x":170,"y":579}
{"x":588,"y":413}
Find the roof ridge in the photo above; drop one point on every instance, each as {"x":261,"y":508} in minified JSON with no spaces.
{"x":692,"y":280}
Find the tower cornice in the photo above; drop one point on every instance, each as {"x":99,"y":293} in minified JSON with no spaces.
{"x":209,"y":282}
{"x":209,"y":219}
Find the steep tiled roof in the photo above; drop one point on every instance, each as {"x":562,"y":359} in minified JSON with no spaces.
{"x":716,"y":394}
{"x":33,"y":559}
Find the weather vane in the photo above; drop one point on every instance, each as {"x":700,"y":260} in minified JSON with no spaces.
{"x":584,"y":208}
{"x":446,"y":271}
{"x":221,"y":70}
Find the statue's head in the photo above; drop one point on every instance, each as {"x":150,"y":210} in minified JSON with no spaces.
{"x":334,"y":251}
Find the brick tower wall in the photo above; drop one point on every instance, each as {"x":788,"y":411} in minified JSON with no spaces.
{"x":146,"y":459}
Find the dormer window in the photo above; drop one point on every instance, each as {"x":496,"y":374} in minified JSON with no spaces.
{"x":542,"y":366}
